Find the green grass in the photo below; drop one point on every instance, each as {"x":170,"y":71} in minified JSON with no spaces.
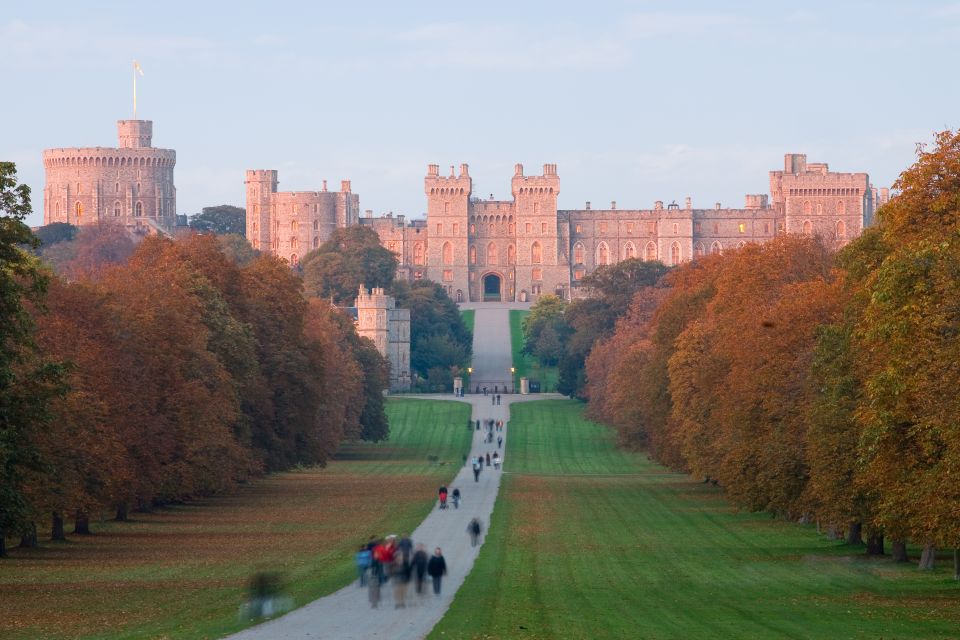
{"x":590,"y":542}
{"x":526,"y":365}
{"x":182,"y":571}
{"x":469,"y":317}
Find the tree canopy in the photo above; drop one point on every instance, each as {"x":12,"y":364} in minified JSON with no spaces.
{"x":222,"y":220}
{"x":351,"y":257}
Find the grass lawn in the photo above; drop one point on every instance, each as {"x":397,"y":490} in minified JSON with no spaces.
{"x":469,"y":317}
{"x":527,"y":366}
{"x":590,"y":542}
{"x":181,"y":572}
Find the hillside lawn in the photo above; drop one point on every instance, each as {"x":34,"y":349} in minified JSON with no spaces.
{"x":591,"y":542}
{"x":526,"y":365}
{"x":182,"y":571}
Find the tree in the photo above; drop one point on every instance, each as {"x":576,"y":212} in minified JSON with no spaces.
{"x":221,"y":220}
{"x":55,"y":232}
{"x":95,"y":247}
{"x":544,"y":330}
{"x":438,"y":336}
{"x":351,"y":257}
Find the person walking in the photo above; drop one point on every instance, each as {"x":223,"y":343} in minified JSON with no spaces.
{"x":437,"y":568}
{"x":476,"y":470}
{"x":499,"y":442}
{"x":364,"y":558}
{"x":474,"y":529}
{"x":443,"y":496}
{"x":496,"y":461}
{"x":456,"y":498}
{"x":420,"y":566}
{"x":488,"y":458}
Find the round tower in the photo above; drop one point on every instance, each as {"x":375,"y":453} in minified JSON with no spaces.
{"x":135,"y":134}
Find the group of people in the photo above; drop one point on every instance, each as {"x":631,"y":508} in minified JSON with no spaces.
{"x":394,"y":560}
{"x":442,"y":494}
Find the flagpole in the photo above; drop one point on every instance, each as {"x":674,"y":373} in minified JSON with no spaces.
{"x":134,"y":89}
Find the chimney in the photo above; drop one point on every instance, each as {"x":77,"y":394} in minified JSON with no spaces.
{"x":549,"y":169}
{"x":613,"y":204}
{"x":324,"y":186}
{"x":689,"y":203}
{"x":588,"y":205}
{"x":518,"y":169}
{"x":452,"y":174}
{"x":718,"y":206}
{"x":464,"y":170}
{"x":368,"y":213}
{"x":433,"y":170}
{"x":345,"y":186}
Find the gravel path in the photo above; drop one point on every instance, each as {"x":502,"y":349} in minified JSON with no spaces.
{"x":347,"y":614}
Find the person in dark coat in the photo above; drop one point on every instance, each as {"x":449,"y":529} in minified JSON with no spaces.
{"x":437,"y":568}
{"x":474,"y":529}
{"x":419,"y":566}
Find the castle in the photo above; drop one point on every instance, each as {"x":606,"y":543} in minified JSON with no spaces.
{"x":131,"y":185}
{"x":379,"y":319}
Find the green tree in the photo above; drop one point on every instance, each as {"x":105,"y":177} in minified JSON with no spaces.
{"x":544,"y":330}
{"x":222,"y":220}
{"x":55,"y":232}
{"x":350,"y":258}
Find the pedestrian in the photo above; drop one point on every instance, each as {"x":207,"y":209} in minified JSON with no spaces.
{"x":474,"y":529}
{"x":420,"y":566}
{"x":499,"y":442}
{"x":405,"y":547}
{"x":363,"y":558}
{"x":488,"y":458}
{"x":476,"y":471}
{"x":399,"y":576}
{"x":493,"y":400}
{"x":456,"y":498}
{"x":498,"y":399}
{"x":496,"y":461}
{"x":478,"y":424}
{"x":442,"y":492}
{"x":437,"y":568}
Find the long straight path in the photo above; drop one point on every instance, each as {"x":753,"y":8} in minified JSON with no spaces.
{"x":347,"y":614}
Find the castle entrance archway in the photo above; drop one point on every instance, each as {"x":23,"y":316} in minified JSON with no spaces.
{"x":492,"y":288}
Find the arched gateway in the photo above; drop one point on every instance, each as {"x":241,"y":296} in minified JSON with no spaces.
{"x":492,"y":288}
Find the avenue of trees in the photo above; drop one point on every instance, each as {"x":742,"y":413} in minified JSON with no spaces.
{"x":440,"y":343}
{"x":139,"y":375}
{"x":813,"y":384}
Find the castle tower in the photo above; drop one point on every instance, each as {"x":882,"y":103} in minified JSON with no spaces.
{"x":539,"y":264}
{"x":389,"y":328}
{"x":448,"y":213}
{"x":261,"y":185}
{"x":131,"y":185}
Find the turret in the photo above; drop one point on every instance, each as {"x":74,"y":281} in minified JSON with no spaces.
{"x":261,"y":184}
{"x":134,"y":134}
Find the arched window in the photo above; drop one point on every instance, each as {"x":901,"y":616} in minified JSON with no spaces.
{"x":806,"y":208}
{"x":492,"y":253}
{"x":316,"y":242}
{"x":293,"y":226}
{"x":316,"y":225}
{"x":511,"y":254}
{"x":840,"y":207}
{"x":294,"y":243}
{"x":807,"y":228}
{"x":716,"y":248}
{"x":650,"y":253}
{"x":78,"y":209}
{"x":418,"y":253}
{"x":116,"y":209}
{"x":698,"y":250}
{"x":675,"y":253}
{"x":473,"y":255}
{"x":841,"y":230}
{"x":578,"y":253}
{"x":58,"y":208}
{"x":603,"y":255}
{"x":447,"y":253}
{"x":294,"y":259}
{"x":629,"y":252}
{"x":819,"y":208}
{"x":536,"y":253}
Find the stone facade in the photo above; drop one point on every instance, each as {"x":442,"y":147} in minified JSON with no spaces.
{"x":520,"y":249}
{"x":290,"y":224}
{"x":379,"y":319}
{"x":132,"y":185}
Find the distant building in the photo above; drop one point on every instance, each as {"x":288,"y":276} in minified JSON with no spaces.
{"x":379,"y":319}
{"x":132,"y":184}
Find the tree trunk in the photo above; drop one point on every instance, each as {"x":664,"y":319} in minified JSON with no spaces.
{"x":875,"y":544}
{"x":56,"y":530}
{"x":29,"y":539}
{"x":81,"y":524}
{"x":855,"y":534}
{"x":122,"y":512}
{"x":956,"y":564}
{"x":928,"y":559}
{"x":899,"y":551}
{"x":832,"y":533}
{"x":3,"y":545}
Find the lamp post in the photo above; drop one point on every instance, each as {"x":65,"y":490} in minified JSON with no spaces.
{"x":469,"y":376}
{"x":513,"y":382}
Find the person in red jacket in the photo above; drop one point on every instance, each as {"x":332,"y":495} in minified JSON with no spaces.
{"x":443,"y":496}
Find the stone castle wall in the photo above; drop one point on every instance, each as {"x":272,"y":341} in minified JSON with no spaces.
{"x":131,"y":185}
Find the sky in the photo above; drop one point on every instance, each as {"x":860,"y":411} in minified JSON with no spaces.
{"x":634,"y":101}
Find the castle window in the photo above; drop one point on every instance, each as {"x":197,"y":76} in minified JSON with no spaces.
{"x":650,"y":253}
{"x":543,"y":227}
{"x":652,"y":228}
{"x":447,"y":253}
{"x":675,"y":253}
{"x":294,"y":259}
{"x":840,"y":207}
{"x":456,"y":228}
{"x":78,"y":208}
{"x":473,"y":228}
{"x":603,"y":257}
{"x":418,"y":253}
{"x":537,"y":274}
{"x":138,"y":209}
{"x":293,"y":226}
{"x":116,"y":209}
{"x":536,"y":253}
{"x":629,"y":227}
{"x":716,"y":248}
{"x":629,"y":252}
{"x":117,"y":188}
{"x":806,"y":208}
{"x":316,"y":242}
{"x":439,"y":228}
{"x":578,"y":274}
{"x":448,"y":275}
{"x":528,"y":227}
{"x":676,"y":228}
{"x":491,"y":253}
{"x":578,"y":228}
{"x":418,"y":275}
{"x":473,"y":255}
{"x":603,"y":227}
{"x":315,"y":207}
{"x":716,"y":228}
{"x":293,"y":208}
{"x":766,"y":227}
{"x":819,"y":208}
{"x":316,"y":225}
{"x":841,"y":230}
{"x":511,"y":254}
{"x":254,"y":229}
{"x":58,"y":208}
{"x":742,"y":227}
{"x":473,"y":277}
{"x":536,"y":208}
{"x":513,"y":228}
{"x":294,"y":244}
{"x":578,"y":253}
{"x":807,"y":228}
{"x":697,"y":227}
{"x":698,"y":249}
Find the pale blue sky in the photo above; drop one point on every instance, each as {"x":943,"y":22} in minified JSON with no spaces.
{"x":634,"y":101}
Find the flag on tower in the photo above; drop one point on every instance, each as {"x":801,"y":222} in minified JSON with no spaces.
{"x":137,"y":68}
